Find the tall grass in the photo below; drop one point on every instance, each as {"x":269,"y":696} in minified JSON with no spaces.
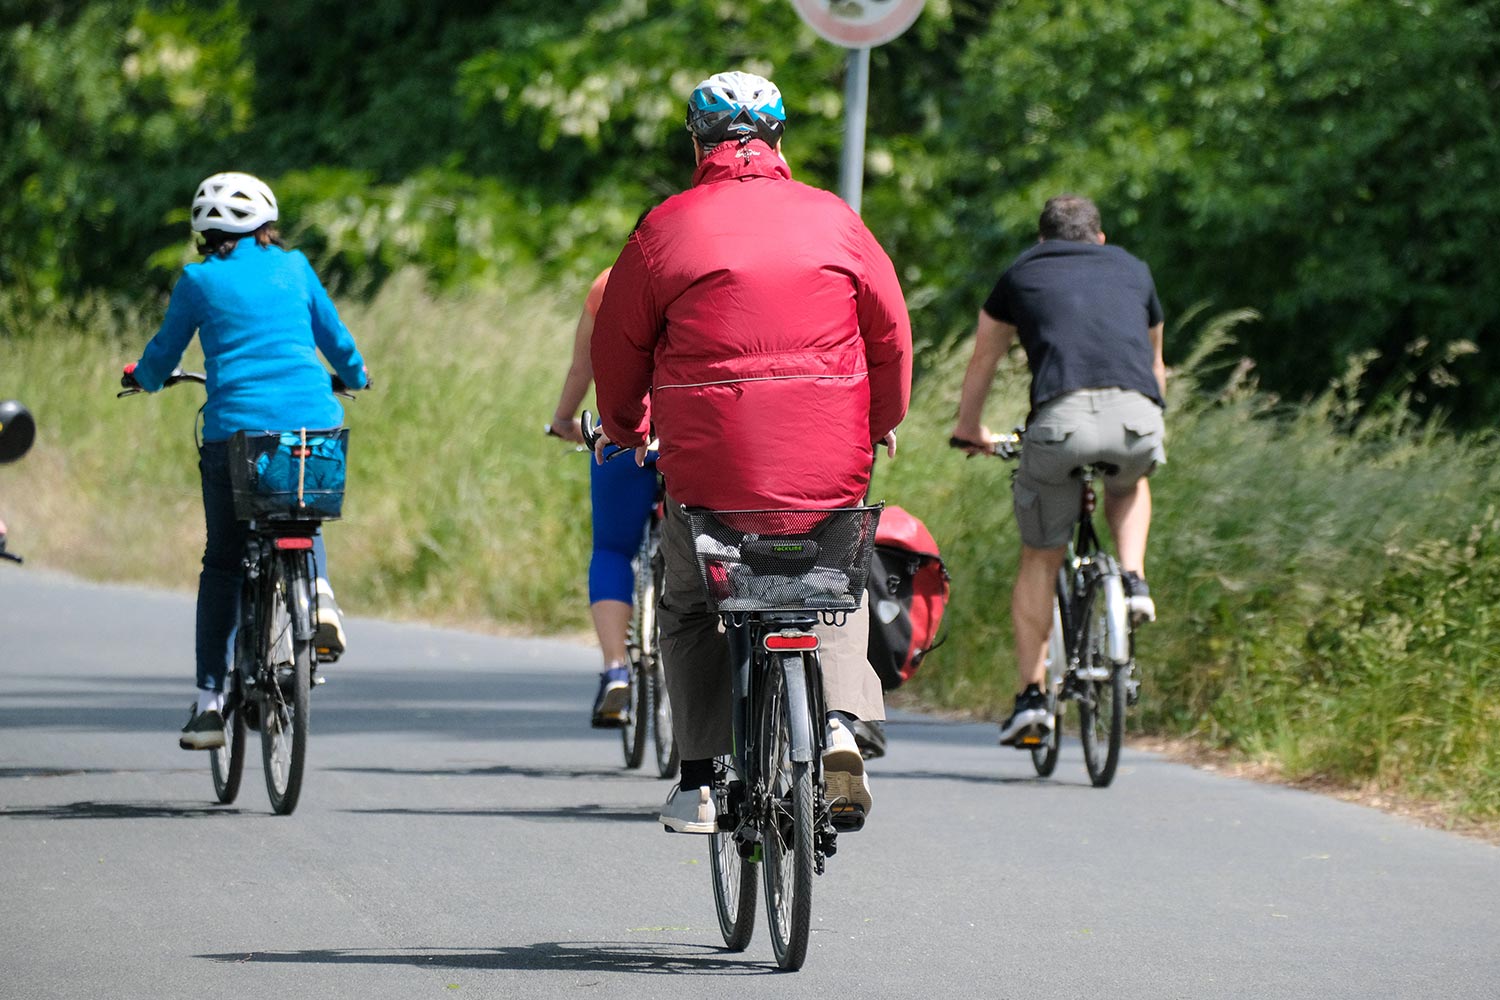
{"x":1325,"y":575}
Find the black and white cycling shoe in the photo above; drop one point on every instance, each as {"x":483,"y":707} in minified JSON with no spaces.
{"x":1138,"y":598}
{"x":204,"y":731}
{"x":1029,"y":723}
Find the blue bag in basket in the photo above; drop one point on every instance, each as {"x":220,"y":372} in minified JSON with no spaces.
{"x":322,"y":484}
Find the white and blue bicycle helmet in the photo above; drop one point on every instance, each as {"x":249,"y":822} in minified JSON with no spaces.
{"x":738,"y":106}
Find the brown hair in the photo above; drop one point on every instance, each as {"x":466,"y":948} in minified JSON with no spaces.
{"x":218,"y":243}
{"x":1069,"y":217}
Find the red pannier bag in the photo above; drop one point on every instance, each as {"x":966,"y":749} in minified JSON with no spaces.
{"x":908,"y":593}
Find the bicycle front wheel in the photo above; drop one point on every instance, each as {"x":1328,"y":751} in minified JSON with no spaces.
{"x":788,"y":819}
{"x":661,"y":723}
{"x":637,"y":715}
{"x":1102,"y":695}
{"x":734,"y":874}
{"x":1044,"y":756}
{"x":287,"y":678}
{"x":228,"y":761}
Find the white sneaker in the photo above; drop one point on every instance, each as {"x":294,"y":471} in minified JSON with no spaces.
{"x":847,"y":787}
{"x":689,"y":812}
{"x":329,"y":637}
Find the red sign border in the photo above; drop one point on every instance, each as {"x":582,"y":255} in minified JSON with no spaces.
{"x":857,"y":36}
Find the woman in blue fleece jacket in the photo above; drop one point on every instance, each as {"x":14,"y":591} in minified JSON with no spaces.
{"x":262,"y":316}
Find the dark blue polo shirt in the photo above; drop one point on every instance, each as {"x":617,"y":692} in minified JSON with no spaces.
{"x":1083,"y":312}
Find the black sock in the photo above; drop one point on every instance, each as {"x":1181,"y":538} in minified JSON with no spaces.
{"x":696,"y":774}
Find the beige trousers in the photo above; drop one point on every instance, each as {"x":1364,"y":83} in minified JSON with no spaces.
{"x":695,"y":654}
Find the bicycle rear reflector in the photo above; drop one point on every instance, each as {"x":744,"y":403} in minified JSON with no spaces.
{"x":779,"y":641}
{"x":293,"y":543}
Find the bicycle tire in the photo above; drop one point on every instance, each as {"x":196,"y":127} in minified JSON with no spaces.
{"x":667,"y":757}
{"x":663,"y":738}
{"x":1044,"y":757}
{"x":228,"y":761}
{"x":734,"y":880}
{"x":1101,"y":705}
{"x":637,"y":715}
{"x":788,"y":820}
{"x":287,"y":673}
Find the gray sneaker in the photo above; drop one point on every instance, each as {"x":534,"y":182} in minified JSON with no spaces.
{"x":204,"y":731}
{"x":847,"y":786}
{"x":689,"y":811}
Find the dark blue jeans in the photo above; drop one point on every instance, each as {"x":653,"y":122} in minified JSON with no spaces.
{"x":223,"y":567}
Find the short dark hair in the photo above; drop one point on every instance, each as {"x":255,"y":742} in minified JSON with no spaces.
{"x":1069,"y":217}
{"x":218,"y":243}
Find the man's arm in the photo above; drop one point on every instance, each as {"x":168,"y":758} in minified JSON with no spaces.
{"x":992,"y":339}
{"x":623,"y":347}
{"x":886,"y":329}
{"x":1158,"y":366}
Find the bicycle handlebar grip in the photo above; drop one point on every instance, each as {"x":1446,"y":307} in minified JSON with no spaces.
{"x":127,"y":377}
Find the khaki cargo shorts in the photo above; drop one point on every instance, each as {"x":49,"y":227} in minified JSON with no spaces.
{"x":1115,"y":427}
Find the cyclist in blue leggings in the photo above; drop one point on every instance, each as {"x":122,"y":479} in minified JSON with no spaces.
{"x":622,"y":494}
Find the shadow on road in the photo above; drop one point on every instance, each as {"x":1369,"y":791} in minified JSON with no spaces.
{"x":879,"y":774}
{"x":115,"y":810}
{"x":497,"y":771}
{"x":546,"y":956}
{"x":587,"y":811}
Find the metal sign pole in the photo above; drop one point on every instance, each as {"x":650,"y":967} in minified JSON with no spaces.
{"x":856,"y":103}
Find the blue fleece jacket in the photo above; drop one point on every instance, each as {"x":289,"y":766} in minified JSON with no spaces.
{"x":262,"y":316}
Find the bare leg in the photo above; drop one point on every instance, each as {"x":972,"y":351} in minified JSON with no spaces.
{"x":612,"y":623}
{"x":1031,"y":610}
{"x":1129,"y":516}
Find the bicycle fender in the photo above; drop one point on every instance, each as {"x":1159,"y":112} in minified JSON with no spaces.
{"x":1117,"y":620}
{"x":299,"y":583}
{"x":798,"y":707}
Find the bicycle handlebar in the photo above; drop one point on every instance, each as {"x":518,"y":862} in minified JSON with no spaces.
{"x":1006,"y":446}
{"x":132,"y":387}
{"x":592,"y":432}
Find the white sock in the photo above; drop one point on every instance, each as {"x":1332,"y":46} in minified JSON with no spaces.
{"x":210,"y":701}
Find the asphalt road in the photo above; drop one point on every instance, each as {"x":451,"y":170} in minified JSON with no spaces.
{"x":464,"y":833}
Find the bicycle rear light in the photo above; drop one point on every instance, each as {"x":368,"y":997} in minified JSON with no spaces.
{"x":777,"y":642}
{"x":293,"y":543}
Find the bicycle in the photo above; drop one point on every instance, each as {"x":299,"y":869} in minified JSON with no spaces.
{"x":771,"y":576}
{"x":1091,"y":649}
{"x":285,"y":485}
{"x":648,"y":709}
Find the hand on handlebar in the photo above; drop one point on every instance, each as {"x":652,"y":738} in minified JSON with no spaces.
{"x":127,"y":377}
{"x":1006,"y":446}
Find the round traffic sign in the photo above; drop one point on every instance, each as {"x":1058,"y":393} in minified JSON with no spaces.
{"x":859,"y":24}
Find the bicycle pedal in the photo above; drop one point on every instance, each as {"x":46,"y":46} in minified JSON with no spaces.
{"x":1029,"y":740}
{"x":847,"y":818}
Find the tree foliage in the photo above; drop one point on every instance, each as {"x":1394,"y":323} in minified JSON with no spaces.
{"x":1332,"y":163}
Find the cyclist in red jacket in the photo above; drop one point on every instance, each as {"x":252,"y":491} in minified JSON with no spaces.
{"x":760,"y":328}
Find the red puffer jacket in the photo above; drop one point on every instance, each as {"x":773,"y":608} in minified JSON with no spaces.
{"x":760,"y":327}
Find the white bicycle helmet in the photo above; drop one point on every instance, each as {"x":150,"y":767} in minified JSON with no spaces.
{"x":234,"y":203}
{"x":737,"y":106}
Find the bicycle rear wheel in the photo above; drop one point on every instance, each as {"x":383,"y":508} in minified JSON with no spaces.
{"x":287,"y":681}
{"x":788,"y":821}
{"x":734,"y":875}
{"x":1044,"y":757}
{"x":1101,"y":703}
{"x":637,"y":714}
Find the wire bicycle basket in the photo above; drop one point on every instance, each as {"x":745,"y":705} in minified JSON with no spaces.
{"x":784,"y":560}
{"x":289,"y":475}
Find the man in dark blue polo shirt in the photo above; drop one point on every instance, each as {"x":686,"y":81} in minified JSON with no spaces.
{"x":1087,"y":315}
